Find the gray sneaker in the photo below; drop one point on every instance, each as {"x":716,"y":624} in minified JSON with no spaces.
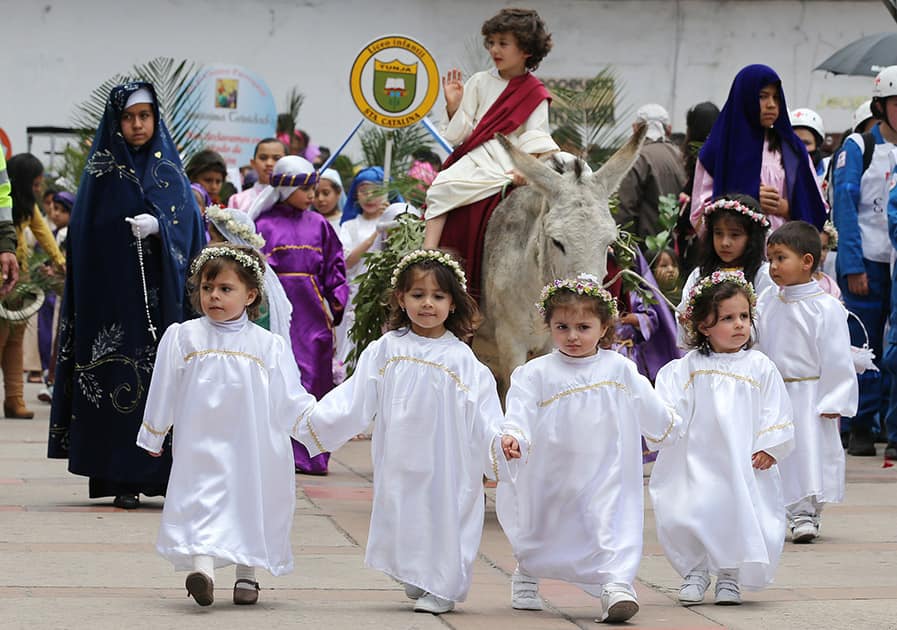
{"x":414,"y":592}
{"x":804,"y":530}
{"x":693,"y":588}
{"x":525,"y":592}
{"x":728,"y":592}
{"x":618,"y":604}
{"x":432,"y":604}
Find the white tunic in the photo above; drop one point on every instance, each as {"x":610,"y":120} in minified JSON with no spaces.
{"x":484,"y":171}
{"x":232,"y":392}
{"x":575,"y":510}
{"x":762,"y":281}
{"x":712,"y":507}
{"x":436,"y":434}
{"x":804,"y":331}
{"x":351,"y":234}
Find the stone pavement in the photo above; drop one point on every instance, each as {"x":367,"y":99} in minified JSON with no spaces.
{"x":67,"y":562}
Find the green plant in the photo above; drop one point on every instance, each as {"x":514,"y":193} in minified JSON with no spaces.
{"x":668,"y":215}
{"x":405,"y":141}
{"x":372,"y":300}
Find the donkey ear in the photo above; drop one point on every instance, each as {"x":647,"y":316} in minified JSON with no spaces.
{"x":541,"y":176}
{"x":609,"y":176}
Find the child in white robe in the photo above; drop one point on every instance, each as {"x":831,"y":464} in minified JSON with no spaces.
{"x":717,"y":493}
{"x":804,"y":331}
{"x":575,"y":510}
{"x":436,"y":433}
{"x":233,"y":393}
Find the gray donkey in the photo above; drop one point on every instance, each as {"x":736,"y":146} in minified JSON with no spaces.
{"x":556,"y":227}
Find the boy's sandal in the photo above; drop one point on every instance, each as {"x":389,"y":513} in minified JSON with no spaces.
{"x":246,"y":596}
{"x":200,"y":587}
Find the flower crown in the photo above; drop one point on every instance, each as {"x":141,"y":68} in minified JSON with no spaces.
{"x":222,"y":217}
{"x":583,"y":284}
{"x":737,"y":206}
{"x":715,"y":278}
{"x":242,"y":258}
{"x":830,"y":229}
{"x":419,"y":255}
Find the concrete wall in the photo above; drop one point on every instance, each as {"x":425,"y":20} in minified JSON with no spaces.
{"x":673,"y":52}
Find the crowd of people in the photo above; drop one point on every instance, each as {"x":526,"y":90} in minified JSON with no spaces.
{"x":212,"y":324}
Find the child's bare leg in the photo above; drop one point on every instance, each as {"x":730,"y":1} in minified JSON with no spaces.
{"x":433,"y":231}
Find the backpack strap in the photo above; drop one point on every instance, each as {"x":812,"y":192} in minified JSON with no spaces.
{"x":868,"y":149}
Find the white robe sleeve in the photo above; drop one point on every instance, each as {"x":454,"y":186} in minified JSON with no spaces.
{"x":521,"y":407}
{"x":158,"y":415}
{"x":660,"y":424}
{"x":775,"y":428}
{"x":486,"y":432}
{"x":838,"y":388}
{"x":290,"y":403}
{"x":671,"y":388}
{"x":461,"y":125}
{"x":345,"y":411}
{"x":535,"y":133}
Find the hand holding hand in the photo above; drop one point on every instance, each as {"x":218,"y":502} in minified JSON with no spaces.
{"x":143,"y":225}
{"x":761,"y":460}
{"x":510,"y":447}
{"x":453,"y":89}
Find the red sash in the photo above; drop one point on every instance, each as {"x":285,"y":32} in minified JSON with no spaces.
{"x":465,"y":227}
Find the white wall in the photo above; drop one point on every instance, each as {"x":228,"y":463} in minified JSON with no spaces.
{"x":673,"y":52}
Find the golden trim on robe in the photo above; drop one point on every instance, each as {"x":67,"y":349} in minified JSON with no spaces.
{"x":665,"y":433}
{"x":494,"y":459}
{"x":737,"y":377}
{"x":226,"y":353}
{"x":280,"y":247}
{"x":775,"y":427}
{"x":800,"y":379}
{"x":579,"y":390}
{"x":800,"y":299}
{"x":464,"y":388}
{"x":314,"y":435}
{"x":314,"y":285}
{"x":153,"y":431}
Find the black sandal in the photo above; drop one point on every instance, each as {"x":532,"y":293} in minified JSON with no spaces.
{"x":246,"y":596}
{"x":201,"y":588}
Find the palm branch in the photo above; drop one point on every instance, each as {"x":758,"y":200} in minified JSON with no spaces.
{"x":405,"y":141}
{"x":584,"y":120}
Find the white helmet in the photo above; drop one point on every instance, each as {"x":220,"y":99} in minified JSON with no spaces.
{"x":862,"y":114}
{"x":805,"y":117}
{"x":885,"y":83}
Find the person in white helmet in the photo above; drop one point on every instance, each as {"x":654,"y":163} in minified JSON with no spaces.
{"x":863,"y":120}
{"x":864,"y":250}
{"x":809,"y":127}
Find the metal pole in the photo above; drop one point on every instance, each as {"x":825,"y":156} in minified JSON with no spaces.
{"x":387,"y":159}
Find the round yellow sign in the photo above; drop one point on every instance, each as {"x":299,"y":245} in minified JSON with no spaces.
{"x":387,"y":85}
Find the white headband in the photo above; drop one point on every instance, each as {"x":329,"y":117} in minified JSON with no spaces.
{"x":142,"y":95}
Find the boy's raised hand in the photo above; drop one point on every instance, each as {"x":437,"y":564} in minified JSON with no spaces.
{"x":761,"y":460}
{"x":453,"y":89}
{"x":510,"y":447}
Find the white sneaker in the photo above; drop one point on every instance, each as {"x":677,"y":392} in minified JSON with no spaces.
{"x":728,"y":592}
{"x":414,"y":592}
{"x":693,"y":588}
{"x":617,"y":604}
{"x":525,"y":592}
{"x":804,"y":531}
{"x":432,"y":604}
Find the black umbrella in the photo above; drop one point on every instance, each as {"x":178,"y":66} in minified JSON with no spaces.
{"x":865,"y":57}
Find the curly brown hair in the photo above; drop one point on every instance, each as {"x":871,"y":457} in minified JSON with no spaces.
{"x":214,"y":266}
{"x":463,"y":321}
{"x":564,"y":298}
{"x":706,"y":306}
{"x":527,"y":28}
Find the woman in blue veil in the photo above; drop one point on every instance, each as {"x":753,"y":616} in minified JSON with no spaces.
{"x":121,"y":293}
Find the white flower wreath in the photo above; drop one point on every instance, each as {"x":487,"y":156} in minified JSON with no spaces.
{"x":222,"y":217}
{"x":419,"y":255}
{"x":244,"y":259}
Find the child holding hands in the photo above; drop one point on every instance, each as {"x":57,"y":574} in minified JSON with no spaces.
{"x":574,"y":512}
{"x":233,"y":391}
{"x":436,"y":434}
{"x":804,"y":331}
{"x":717,"y":493}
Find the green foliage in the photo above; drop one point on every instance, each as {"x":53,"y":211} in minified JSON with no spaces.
{"x":177,"y":88}
{"x":372,"y":300}
{"x":668,"y":215}
{"x":405,"y":141}
{"x":584,"y":118}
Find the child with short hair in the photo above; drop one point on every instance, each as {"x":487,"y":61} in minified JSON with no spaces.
{"x":307,"y":255}
{"x":804,"y":331}
{"x":717,"y":493}
{"x":508,"y":99}
{"x":206,"y":171}
{"x":575,"y":510}
{"x":734,"y":239}
{"x":329,"y":197}
{"x":436,"y":435}
{"x":232,"y":391}
{"x":267,"y":152}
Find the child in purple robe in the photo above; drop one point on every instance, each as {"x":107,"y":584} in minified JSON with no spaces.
{"x":305,"y":252}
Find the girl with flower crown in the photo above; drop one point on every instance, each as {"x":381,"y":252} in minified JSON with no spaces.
{"x":574,"y":511}
{"x":717,"y":492}
{"x":735,"y":239}
{"x":233,"y":393}
{"x":436,"y":434}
